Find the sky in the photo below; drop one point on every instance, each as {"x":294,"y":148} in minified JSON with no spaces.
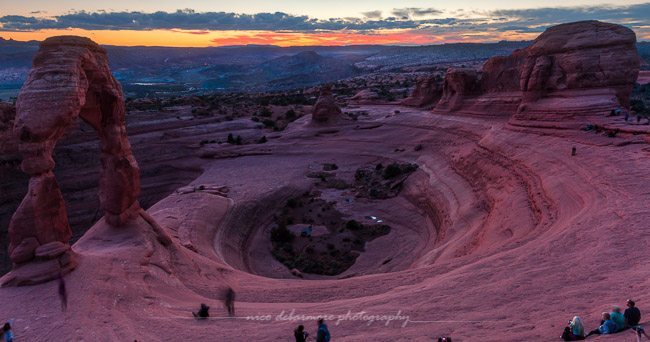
{"x":200,"y":23}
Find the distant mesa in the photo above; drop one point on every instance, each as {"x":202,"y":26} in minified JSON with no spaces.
{"x":326,"y":110}
{"x":570,"y":70}
{"x":70,"y":78}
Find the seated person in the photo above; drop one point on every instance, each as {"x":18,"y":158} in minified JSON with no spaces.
{"x":203,"y":312}
{"x":618,"y":318}
{"x":606,"y":327}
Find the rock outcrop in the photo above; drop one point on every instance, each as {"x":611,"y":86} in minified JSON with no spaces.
{"x":427,"y":92}
{"x":70,"y":78}
{"x":326,"y":110}
{"x":366,"y":97}
{"x":581,"y":68}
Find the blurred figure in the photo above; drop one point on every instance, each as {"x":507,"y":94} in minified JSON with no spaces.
{"x":229,"y":301}
{"x":203,"y":313}
{"x":63,"y":293}
{"x":7,"y":334}
{"x":323,"y":334}
{"x":617,"y":317}
{"x":300,"y":334}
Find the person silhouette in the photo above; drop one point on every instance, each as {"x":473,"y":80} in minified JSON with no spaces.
{"x":229,"y":301}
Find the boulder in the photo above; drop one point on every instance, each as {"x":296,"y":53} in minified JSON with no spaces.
{"x":427,"y":92}
{"x":326,"y":110}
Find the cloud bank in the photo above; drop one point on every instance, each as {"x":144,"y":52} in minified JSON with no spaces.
{"x":411,"y":18}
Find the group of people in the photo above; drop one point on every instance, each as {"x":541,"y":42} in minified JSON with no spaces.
{"x":322,"y":334}
{"x":627,"y":115}
{"x":612,"y":322}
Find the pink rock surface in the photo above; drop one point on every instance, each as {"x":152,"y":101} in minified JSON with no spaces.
{"x":70,"y":78}
{"x":498,"y":231}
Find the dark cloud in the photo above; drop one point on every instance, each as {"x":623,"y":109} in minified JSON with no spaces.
{"x":372,"y":14}
{"x":626,"y":14}
{"x":190,"y":20}
{"x":519,"y":20}
{"x":414,"y":12}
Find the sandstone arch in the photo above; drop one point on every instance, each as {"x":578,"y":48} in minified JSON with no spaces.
{"x":70,"y":78}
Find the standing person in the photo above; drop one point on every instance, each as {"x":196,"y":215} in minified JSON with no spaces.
{"x":606,"y":327}
{"x":300,"y":334}
{"x":63,"y":293}
{"x":229,"y":301}
{"x":323,"y":334}
{"x":618,"y":318}
{"x":632,"y":314}
{"x":7,"y":334}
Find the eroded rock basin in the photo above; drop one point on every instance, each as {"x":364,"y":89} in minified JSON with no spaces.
{"x":486,"y":224}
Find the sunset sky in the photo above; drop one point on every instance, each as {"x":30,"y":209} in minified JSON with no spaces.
{"x":302,"y":22}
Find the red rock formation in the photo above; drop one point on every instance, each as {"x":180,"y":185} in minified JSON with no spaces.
{"x":326,"y":109}
{"x":366,"y":97}
{"x":579,"y":68}
{"x":459,"y":86}
{"x":70,"y":78}
{"x":427,"y":92}
{"x":582,"y":68}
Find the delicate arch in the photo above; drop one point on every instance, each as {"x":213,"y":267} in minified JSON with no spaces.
{"x":70,"y":78}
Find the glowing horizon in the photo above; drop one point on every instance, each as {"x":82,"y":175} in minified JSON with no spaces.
{"x":190,"y":39}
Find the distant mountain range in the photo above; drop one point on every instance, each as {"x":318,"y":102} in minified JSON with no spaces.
{"x":159,"y":71}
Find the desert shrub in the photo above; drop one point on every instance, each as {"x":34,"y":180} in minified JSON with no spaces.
{"x":262,"y":140}
{"x":392,"y":170}
{"x":265,"y":112}
{"x":290,"y":114}
{"x":281,"y":234}
{"x":269,"y":123}
{"x":330,"y":167}
{"x":353,"y":225}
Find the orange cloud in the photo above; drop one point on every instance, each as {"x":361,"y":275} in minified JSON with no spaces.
{"x":201,"y":38}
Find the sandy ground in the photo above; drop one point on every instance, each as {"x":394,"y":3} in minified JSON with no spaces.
{"x":501,"y":235}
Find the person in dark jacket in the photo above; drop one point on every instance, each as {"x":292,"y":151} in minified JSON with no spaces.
{"x":632,"y":314}
{"x":300,"y":334}
{"x":323,"y":334}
